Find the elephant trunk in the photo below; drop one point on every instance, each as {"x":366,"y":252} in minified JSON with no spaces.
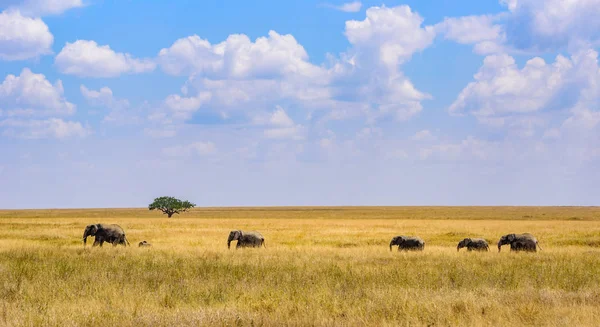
{"x":85,"y":236}
{"x":499,"y":246}
{"x":391,"y":243}
{"x":457,"y":248}
{"x":228,"y":244}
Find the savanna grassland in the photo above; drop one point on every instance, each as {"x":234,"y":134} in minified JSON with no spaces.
{"x":320,"y":267}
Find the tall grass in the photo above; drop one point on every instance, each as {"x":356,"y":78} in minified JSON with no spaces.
{"x":316,"y":270}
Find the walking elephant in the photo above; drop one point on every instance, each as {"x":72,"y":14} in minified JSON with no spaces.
{"x":246,"y":239}
{"x":476,"y":244}
{"x":407,"y":243}
{"x":520,"y":242}
{"x":105,"y":233}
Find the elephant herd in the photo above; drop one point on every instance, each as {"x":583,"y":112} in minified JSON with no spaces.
{"x":115,"y":235}
{"x":517,"y":242}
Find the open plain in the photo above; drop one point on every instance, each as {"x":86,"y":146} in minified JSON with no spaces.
{"x":322,"y":266}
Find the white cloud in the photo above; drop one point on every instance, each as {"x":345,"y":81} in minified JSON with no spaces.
{"x":369,"y":72}
{"x":31,"y":94}
{"x":120,"y":111}
{"x":185,"y":107}
{"x":280,"y":118}
{"x":469,"y":29}
{"x":501,"y":88}
{"x":103,"y":97}
{"x":393,"y":35}
{"x":552,"y":24}
{"x":238,"y":57}
{"x":88,"y":59}
{"x":43,"y":7}
{"x":353,"y":6}
{"x":239,"y":75}
{"x":482,"y":31}
{"x":39,"y":129}
{"x":23,"y":37}
{"x":529,"y":26}
{"x":281,"y":126}
{"x":197,"y":148}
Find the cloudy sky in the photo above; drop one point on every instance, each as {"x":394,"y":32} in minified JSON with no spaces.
{"x":110,"y":103}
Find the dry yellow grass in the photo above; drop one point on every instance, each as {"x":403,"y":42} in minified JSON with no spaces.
{"x":321,"y":266}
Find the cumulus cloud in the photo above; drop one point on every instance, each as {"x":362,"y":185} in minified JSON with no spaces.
{"x":369,"y":72}
{"x":391,"y":35}
{"x":529,"y":26}
{"x":500,"y":87}
{"x":48,"y":128}
{"x":553,"y":24}
{"x":281,"y":126}
{"x":31,"y":94}
{"x":239,"y":74}
{"x":23,"y":37}
{"x":119,"y":110}
{"x":87,"y":59}
{"x":185,"y":107}
{"x":102,"y":97}
{"x":483,"y":31}
{"x":42,"y":7}
{"x":197,"y":148}
{"x":525,"y":100}
{"x":238,"y":57}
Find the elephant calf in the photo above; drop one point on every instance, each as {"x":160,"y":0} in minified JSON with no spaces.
{"x":105,"y":233}
{"x":519,"y":242}
{"x":246,"y":239}
{"x":407,"y":243}
{"x":144,"y":244}
{"x":477,"y":244}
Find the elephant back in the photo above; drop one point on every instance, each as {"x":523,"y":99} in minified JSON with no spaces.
{"x":252,"y":235}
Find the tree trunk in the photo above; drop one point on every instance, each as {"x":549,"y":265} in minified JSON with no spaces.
{"x":169,"y":214}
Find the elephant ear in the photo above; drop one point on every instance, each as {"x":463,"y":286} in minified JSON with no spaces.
{"x":92,"y":229}
{"x":511,"y":237}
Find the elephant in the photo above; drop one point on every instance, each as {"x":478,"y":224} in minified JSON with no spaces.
{"x":105,"y":233}
{"x":477,"y":244}
{"x":144,"y":244}
{"x":520,"y":242}
{"x":245,"y":239}
{"x":408,"y":243}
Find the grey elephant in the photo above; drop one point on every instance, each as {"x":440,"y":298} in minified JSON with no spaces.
{"x":105,"y":233}
{"x":144,"y":244}
{"x":245,"y":239}
{"x":407,"y":243}
{"x":477,"y":244}
{"x":520,"y":242}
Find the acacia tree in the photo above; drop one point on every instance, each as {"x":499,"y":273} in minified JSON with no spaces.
{"x":170,"y":205}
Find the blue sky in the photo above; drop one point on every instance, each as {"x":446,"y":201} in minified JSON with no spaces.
{"x":231,"y":103}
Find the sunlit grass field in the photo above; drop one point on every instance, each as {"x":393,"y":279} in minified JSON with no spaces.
{"x":320,"y":267}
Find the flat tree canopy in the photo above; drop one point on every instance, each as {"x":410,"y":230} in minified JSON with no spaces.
{"x":170,"y":205}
